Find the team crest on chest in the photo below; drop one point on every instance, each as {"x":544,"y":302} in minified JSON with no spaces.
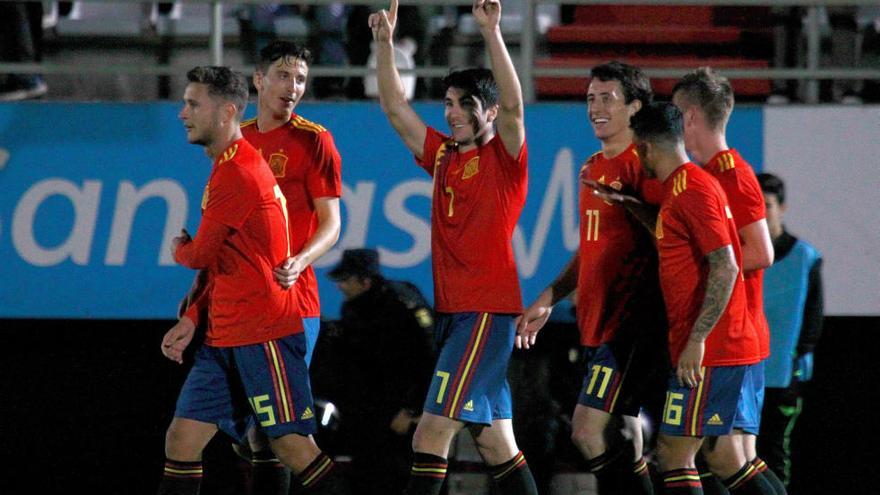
{"x":278,"y":163}
{"x":471,"y":168}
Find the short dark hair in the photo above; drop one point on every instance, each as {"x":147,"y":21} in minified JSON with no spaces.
{"x":223,"y":83}
{"x":635,"y":84}
{"x":710,"y":91}
{"x":477,"y":82}
{"x":658,"y":122}
{"x":282,"y":49}
{"x":771,"y":184}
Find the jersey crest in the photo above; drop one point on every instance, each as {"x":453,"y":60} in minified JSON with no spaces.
{"x":278,"y":163}
{"x":471,"y":168}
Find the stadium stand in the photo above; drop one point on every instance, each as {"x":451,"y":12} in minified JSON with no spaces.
{"x":658,"y":37}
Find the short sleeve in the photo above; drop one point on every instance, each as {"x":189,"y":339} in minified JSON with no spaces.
{"x":433,"y":141}
{"x":324,"y":177}
{"x":745,"y":196}
{"x":232,"y":195}
{"x":705,"y":214}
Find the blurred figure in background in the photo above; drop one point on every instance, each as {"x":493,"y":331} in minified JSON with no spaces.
{"x":375,"y":364}
{"x":794,"y":309}
{"x":21,"y":41}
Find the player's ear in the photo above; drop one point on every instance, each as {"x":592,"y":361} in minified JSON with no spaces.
{"x":258,"y":79}
{"x":634,"y":107}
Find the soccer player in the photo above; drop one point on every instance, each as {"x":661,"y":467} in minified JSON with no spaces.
{"x":480,"y":177}
{"x":795,"y":309}
{"x":620,"y":311}
{"x":306,"y":164}
{"x":711,"y":336}
{"x":251,"y":365}
{"x":706,"y":101}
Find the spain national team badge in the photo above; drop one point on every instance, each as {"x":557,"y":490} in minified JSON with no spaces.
{"x":278,"y":164}
{"x":471,"y":168}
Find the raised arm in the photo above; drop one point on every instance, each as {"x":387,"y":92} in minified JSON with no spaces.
{"x":723,"y":271}
{"x":392,"y":96}
{"x":510,"y":123}
{"x":757,"y":247}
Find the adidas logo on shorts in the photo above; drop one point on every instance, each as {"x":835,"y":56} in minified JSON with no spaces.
{"x":715,"y":420}
{"x":307,"y":414}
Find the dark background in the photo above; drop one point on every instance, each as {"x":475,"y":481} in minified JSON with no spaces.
{"x":84,"y":405}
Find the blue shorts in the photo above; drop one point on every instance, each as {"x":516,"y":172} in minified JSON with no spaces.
{"x":751,"y":400}
{"x":236,"y":387}
{"x":622,"y":376}
{"x":470,"y":379}
{"x":312,"y":326}
{"x":706,"y":410}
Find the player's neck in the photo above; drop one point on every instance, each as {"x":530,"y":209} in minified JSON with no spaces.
{"x":269,"y":121}
{"x":224,"y":140}
{"x":669,"y":163}
{"x":710,"y":145}
{"x":480,"y":139}
{"x":615,"y":145}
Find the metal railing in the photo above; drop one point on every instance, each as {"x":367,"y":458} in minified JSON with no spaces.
{"x":812,"y":73}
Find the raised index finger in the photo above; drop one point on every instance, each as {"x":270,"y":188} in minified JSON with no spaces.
{"x":392,"y":14}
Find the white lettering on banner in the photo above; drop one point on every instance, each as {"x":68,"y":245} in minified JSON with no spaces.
{"x":128,"y":199}
{"x":561,"y":188}
{"x":358,"y":204}
{"x":78,"y":244}
{"x":418,"y":228}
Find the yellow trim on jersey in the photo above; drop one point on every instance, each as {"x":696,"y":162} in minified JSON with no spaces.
{"x":470,"y":362}
{"x":725,"y":162}
{"x":276,"y":365}
{"x":679,"y":183}
{"x":245,"y":123}
{"x":307,"y":125}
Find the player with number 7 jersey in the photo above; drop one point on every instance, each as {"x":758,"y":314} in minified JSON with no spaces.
{"x":246,"y":304}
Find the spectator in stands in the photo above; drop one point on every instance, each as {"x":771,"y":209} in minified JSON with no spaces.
{"x":21,"y":41}
{"x":375,"y":363}
{"x":412,"y":33}
{"x":794,"y":308}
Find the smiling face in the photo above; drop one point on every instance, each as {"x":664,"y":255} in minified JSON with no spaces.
{"x":468,"y":121}
{"x":200,"y":114}
{"x":607,"y":109}
{"x":281,"y":86}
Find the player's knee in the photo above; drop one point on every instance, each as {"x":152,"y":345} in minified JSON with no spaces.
{"x":724,"y":458}
{"x":672,"y":454}
{"x":180,"y":446}
{"x":589,"y":438}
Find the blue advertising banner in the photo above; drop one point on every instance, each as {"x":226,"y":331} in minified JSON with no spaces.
{"x":93,"y":193}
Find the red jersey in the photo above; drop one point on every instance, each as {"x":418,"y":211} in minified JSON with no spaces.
{"x":242,"y":202}
{"x":478,"y":196}
{"x":747,"y":205}
{"x":617,"y":262}
{"x":306,"y":165}
{"x":695,"y":220}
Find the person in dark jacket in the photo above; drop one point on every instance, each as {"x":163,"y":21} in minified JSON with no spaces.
{"x":375,"y":364}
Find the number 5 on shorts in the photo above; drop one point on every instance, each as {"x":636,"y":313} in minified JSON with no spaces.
{"x":260,"y":409}
{"x":444,"y":380}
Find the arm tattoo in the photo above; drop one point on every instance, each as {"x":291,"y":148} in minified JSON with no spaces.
{"x":723,"y":271}
{"x":566,"y":282}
